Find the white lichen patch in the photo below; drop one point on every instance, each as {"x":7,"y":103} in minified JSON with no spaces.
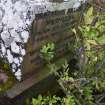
{"x":15,"y":18}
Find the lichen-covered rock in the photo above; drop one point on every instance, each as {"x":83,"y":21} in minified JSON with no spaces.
{"x":15,"y":18}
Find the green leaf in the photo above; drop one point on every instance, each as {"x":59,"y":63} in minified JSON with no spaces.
{"x":74,"y":31}
{"x":93,"y":42}
{"x":35,"y":102}
{"x":89,"y":16}
{"x":69,"y":101}
{"x":101,"y":40}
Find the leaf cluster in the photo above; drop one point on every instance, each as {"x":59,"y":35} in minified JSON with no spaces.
{"x":47,"y":51}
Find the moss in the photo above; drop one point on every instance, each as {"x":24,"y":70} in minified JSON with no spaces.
{"x":11,"y":79}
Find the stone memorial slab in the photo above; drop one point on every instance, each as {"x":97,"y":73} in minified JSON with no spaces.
{"x":52,"y":26}
{"x":50,"y":20}
{"x":25,"y":26}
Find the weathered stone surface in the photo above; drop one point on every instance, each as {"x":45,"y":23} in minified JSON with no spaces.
{"x":15,"y":18}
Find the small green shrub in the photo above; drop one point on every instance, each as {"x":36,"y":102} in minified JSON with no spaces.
{"x":47,"y":51}
{"x":70,"y":100}
{"x":90,"y":44}
{"x":46,"y":100}
{"x":53,"y":100}
{"x":91,"y":39}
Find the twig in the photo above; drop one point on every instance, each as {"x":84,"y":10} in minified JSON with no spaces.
{"x":99,"y":98}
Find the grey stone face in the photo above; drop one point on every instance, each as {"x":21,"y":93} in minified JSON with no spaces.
{"x":2,"y":13}
{"x":1,"y":27}
{"x":14,"y":1}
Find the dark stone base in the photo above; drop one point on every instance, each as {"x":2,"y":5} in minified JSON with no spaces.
{"x":47,"y":85}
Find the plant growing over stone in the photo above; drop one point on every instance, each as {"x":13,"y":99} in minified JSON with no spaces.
{"x":47,"y":51}
{"x":90,"y":79}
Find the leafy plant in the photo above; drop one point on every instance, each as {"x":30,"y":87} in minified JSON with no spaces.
{"x":80,"y":89}
{"x":91,"y":39}
{"x":90,"y":44}
{"x":46,"y":100}
{"x":69,"y":101}
{"x":89,"y":16}
{"x":87,"y":91}
{"x":47,"y":51}
{"x":53,"y":100}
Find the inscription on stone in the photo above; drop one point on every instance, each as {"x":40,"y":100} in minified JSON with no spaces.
{"x":49,"y":27}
